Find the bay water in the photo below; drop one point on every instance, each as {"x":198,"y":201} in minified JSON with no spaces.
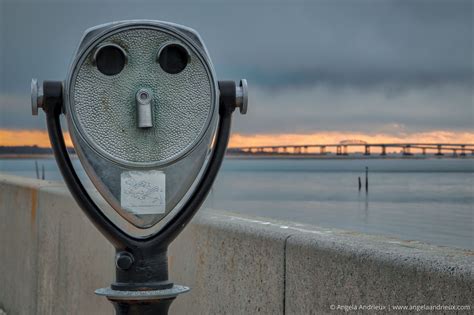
{"x":429,"y":200}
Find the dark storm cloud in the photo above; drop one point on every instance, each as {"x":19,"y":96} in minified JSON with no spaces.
{"x":329,"y":108}
{"x":294,"y":54}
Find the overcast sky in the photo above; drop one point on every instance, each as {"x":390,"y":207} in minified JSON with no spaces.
{"x":363,"y":66}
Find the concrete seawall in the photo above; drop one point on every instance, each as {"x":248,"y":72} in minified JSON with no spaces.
{"x":52,"y":259}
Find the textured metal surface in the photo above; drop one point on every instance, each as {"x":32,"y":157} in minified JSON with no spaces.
{"x":151,"y":146}
{"x":181,"y":179}
{"x":103,"y":107}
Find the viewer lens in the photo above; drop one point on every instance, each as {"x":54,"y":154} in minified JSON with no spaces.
{"x":173,"y":58}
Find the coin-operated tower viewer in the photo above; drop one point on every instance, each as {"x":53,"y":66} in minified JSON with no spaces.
{"x":150,"y":125}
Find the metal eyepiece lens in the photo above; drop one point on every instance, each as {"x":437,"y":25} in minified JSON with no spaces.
{"x":173,"y":58}
{"x":110,"y":59}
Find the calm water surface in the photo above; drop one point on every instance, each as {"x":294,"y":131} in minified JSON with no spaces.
{"x":429,"y":200}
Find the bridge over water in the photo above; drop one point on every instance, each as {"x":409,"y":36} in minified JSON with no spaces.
{"x":343,"y":148}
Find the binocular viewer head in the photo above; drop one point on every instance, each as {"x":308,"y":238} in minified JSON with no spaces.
{"x":143,"y":108}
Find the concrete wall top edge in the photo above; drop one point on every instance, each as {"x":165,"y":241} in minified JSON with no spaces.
{"x":385,"y":250}
{"x":364,"y":247}
{"x":25,"y":182}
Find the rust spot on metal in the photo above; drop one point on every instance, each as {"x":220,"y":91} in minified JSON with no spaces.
{"x":34,"y":205}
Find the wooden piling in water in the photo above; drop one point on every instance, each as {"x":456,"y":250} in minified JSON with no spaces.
{"x":360,"y":184}
{"x":37,"y":170}
{"x":366,"y":178}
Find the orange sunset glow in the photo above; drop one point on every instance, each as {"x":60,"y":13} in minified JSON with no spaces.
{"x":334,"y":137}
{"x":9,"y":137}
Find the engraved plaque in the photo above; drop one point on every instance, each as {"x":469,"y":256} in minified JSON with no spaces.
{"x":143,"y":192}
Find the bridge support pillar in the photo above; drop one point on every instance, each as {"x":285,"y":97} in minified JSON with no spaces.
{"x":440,"y":153}
{"x":423,"y":150}
{"x":344,"y":151}
{"x":463,"y":150}
{"x":384,"y":150}
{"x":367,"y":150}
{"x":455,"y":152}
{"x":322,"y":150}
{"x":406,"y":150}
{"x":338,"y":150}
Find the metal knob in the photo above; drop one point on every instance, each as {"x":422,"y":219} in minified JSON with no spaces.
{"x":144,"y":116}
{"x":242,"y":97}
{"x":36,"y":97}
{"x":124,"y":260}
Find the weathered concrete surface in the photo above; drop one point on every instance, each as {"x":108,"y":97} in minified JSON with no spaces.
{"x":327,"y":269}
{"x":233,"y":266}
{"x":74,"y":259}
{"x":18,"y":246}
{"x":50,"y":252}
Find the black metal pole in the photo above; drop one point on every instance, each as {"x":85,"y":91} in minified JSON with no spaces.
{"x":144,"y":282}
{"x":157,"y":307}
